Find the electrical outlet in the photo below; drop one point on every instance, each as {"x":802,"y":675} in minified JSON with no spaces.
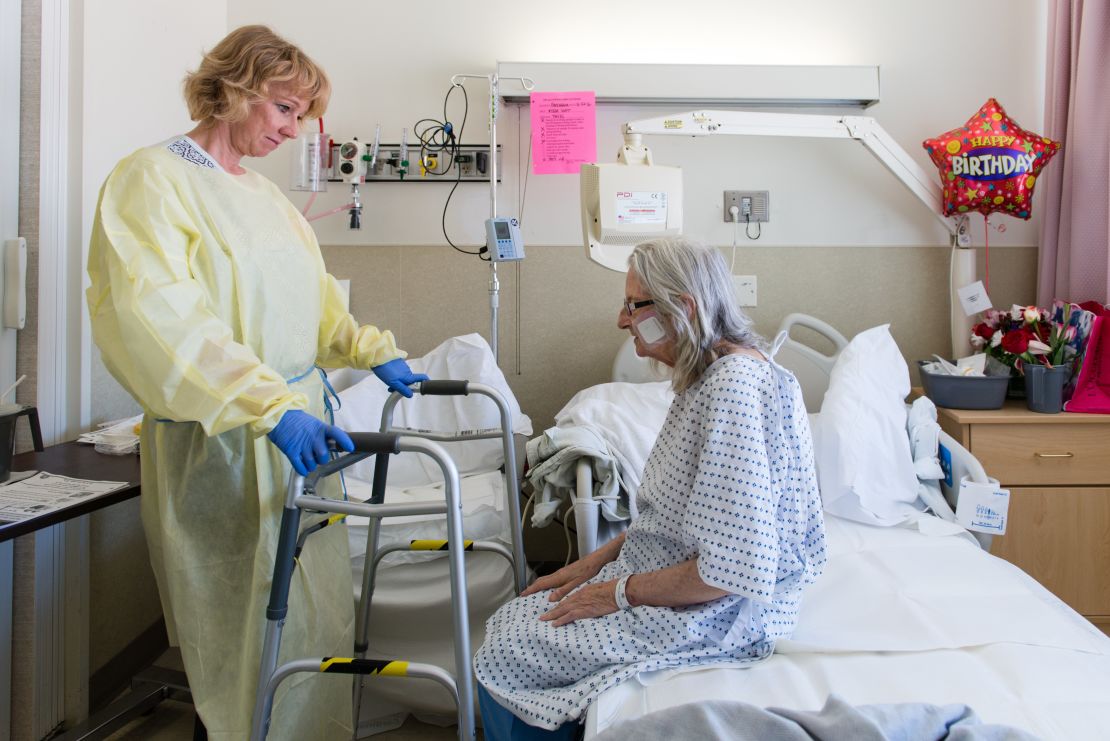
{"x":743,"y":286}
{"x":752,"y":206}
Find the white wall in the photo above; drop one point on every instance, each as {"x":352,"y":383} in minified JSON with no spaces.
{"x":939,"y":62}
{"x":136,"y":53}
{"x":392,"y":64}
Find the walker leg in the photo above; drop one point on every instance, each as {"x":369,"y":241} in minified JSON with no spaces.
{"x":362,"y":620}
{"x":276,"y":612}
{"x":463,"y":671}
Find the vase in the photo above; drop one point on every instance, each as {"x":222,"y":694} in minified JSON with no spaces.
{"x":1044,"y":387}
{"x":995,"y":367}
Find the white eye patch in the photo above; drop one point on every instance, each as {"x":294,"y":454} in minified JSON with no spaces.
{"x":650,"y":329}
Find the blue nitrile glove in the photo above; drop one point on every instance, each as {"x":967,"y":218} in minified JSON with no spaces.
{"x":304,"y":440}
{"x":397,"y":376}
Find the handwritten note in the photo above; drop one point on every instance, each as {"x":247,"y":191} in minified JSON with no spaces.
{"x":564,"y":132}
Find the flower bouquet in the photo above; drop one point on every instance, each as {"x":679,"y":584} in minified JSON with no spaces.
{"x":1028,"y":334}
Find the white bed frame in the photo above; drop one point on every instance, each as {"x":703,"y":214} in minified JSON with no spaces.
{"x":812,"y":367}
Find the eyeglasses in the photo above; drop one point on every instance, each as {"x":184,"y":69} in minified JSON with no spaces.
{"x":631,"y":306}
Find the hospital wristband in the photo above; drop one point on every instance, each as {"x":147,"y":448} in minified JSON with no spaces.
{"x":619,"y":594}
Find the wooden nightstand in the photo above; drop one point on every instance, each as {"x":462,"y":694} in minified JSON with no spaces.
{"x":1057,"y":468}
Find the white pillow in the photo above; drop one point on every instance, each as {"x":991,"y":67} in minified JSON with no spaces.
{"x":627,"y":416}
{"x":864,"y":463}
{"x":467,"y":358}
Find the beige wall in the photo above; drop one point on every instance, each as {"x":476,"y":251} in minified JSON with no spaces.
{"x":27,"y":338}
{"x":566,"y":312}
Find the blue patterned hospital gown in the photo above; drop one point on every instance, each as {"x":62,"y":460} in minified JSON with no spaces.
{"x":731,"y":482}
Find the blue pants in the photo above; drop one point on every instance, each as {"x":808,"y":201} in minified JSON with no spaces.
{"x":500,"y":724}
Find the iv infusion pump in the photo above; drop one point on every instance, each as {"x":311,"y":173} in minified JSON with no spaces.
{"x":503,"y":239}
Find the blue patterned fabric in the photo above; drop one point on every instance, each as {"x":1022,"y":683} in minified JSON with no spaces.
{"x":730,"y":482}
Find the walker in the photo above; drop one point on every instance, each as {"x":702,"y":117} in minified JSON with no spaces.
{"x":301,"y":496}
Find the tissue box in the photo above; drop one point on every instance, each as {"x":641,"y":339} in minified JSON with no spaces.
{"x":964,"y":392}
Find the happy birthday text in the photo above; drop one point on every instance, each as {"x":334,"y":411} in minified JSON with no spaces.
{"x":992,"y":164}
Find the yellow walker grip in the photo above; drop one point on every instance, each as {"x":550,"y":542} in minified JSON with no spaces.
{"x":436,"y":545}
{"x":382,"y":667}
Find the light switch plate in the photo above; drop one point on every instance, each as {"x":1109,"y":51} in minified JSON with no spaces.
{"x":744,"y":287}
{"x":345,"y":284}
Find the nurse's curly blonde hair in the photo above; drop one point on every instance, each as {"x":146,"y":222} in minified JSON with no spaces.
{"x":240,"y":71}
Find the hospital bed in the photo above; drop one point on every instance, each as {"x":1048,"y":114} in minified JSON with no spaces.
{"x":916,"y":613}
{"x":411,"y":608}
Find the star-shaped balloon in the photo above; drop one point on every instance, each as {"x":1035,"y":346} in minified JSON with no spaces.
{"x":990,"y":164}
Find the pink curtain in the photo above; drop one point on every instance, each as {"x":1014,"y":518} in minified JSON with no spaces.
{"x":1075,"y":228}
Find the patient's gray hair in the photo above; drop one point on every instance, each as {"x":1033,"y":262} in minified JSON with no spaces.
{"x":669,"y":268}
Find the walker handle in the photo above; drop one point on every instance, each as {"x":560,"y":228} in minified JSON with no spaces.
{"x":444,"y":388}
{"x":376,"y":442}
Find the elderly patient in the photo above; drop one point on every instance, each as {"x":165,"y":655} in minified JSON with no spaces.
{"x":729,"y":531}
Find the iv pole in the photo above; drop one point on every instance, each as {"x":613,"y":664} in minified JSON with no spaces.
{"x":494,"y":98}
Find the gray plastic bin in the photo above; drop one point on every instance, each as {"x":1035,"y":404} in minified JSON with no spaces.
{"x":964,"y":392}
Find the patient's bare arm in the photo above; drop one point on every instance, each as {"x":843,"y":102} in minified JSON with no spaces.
{"x":674,"y":586}
{"x":567,"y":578}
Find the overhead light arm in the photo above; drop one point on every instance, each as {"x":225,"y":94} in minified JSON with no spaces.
{"x":863,"y":129}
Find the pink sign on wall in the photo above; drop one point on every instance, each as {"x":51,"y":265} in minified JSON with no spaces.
{"x":564,"y":132}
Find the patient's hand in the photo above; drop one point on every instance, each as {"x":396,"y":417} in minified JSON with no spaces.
{"x":563,"y":581}
{"x":590,"y":601}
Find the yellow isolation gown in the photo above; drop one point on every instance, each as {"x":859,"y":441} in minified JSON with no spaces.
{"x":210,"y":304}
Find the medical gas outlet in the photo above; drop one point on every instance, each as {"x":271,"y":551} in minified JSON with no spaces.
{"x":470,"y":164}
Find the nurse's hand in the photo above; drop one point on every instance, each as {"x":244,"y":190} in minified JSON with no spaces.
{"x":304,"y":440}
{"x":397,"y":376}
{"x":566,"y":579}
{"x":590,"y":601}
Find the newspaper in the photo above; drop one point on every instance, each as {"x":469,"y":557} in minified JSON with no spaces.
{"x":48,"y":492}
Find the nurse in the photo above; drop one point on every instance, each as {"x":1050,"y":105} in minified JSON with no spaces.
{"x":211,"y":305}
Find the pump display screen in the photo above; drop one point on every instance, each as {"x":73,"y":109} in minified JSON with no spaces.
{"x":501,"y":228}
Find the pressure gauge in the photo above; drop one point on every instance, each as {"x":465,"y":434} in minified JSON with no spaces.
{"x":351,"y":165}
{"x":349,"y":150}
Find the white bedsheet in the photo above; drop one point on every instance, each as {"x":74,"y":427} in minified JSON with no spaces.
{"x":900,"y":616}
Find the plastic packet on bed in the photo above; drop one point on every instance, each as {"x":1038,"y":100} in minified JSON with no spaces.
{"x":983,"y":507}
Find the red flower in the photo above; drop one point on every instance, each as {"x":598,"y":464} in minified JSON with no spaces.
{"x":1017,"y":341}
{"x":984,"y":330}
